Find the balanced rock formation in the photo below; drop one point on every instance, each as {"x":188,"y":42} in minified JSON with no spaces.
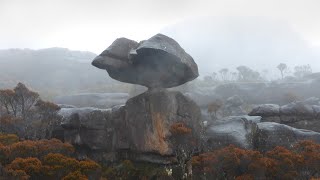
{"x":156,"y":62}
{"x":157,"y":126}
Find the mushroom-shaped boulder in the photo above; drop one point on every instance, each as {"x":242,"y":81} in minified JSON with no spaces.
{"x":158,"y":62}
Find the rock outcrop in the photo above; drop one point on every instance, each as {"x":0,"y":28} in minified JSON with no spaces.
{"x":141,"y":130}
{"x":270,"y":134}
{"x":87,"y":127}
{"x":297,"y":114}
{"x":236,"y":130}
{"x":249,"y":133}
{"x":156,"y":62}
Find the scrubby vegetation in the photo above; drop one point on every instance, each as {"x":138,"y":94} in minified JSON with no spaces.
{"x":53,"y":159}
{"x":300,"y":162}
{"x":43,"y":159}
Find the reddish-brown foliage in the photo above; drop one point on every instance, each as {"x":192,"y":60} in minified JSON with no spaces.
{"x":8,"y":139}
{"x":180,"y":129}
{"x":30,"y":167}
{"x":60,"y":165}
{"x":37,"y":149}
{"x":214,"y":106}
{"x":302,"y":162}
{"x":77,"y":175}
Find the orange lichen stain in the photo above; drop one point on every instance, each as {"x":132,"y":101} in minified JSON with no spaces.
{"x":180,"y":128}
{"x":156,"y":139}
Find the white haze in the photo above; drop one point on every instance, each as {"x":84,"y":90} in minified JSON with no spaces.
{"x":217,"y":33}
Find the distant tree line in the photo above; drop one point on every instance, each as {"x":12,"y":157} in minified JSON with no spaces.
{"x":246,"y":74}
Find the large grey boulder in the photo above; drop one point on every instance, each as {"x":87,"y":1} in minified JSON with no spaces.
{"x":270,"y":134}
{"x":312,"y":101}
{"x":150,"y":118}
{"x":249,"y":133}
{"x":266,"y":110}
{"x":296,"y":114}
{"x":297,"y":109}
{"x":156,"y":62}
{"x":87,"y":127}
{"x":235,"y":130}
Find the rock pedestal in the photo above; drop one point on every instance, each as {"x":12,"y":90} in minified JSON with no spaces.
{"x":151,"y":117}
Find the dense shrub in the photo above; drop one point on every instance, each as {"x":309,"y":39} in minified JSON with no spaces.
{"x":300,"y":162}
{"x":8,"y":139}
{"x":38,"y":148}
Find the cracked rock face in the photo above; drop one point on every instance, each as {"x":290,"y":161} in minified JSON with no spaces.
{"x":158,"y":62}
{"x":141,"y":130}
{"x":150,"y":116}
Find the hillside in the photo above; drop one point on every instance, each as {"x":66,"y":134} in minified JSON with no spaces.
{"x":54,"y":71}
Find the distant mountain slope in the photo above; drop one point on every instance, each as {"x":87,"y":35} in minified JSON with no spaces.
{"x":54,"y":71}
{"x":260,"y":43}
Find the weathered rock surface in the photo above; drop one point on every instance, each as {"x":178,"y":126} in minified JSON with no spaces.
{"x":266,"y":110}
{"x":236,"y":130}
{"x":270,"y":134}
{"x":297,"y":114}
{"x":97,"y":100}
{"x":150,"y":116}
{"x":140,"y":130}
{"x":249,"y":133}
{"x":156,"y":62}
{"x":87,"y":127}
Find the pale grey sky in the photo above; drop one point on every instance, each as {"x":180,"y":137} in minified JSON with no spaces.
{"x":93,"y":24}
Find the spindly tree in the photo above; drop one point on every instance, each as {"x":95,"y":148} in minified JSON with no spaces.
{"x":282,"y":67}
{"x":7,"y":100}
{"x":25,"y":99}
{"x":303,"y":70}
{"x":248,"y":75}
{"x":224,"y":74}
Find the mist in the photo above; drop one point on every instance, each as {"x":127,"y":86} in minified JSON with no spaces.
{"x":257,"y":42}
{"x":159,"y":89}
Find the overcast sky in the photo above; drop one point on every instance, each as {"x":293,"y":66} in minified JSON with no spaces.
{"x":93,"y":24}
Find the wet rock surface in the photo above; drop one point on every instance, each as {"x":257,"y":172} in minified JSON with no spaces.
{"x":299,"y":114}
{"x":236,"y":130}
{"x":270,"y":134}
{"x":249,"y":133}
{"x":87,"y":127}
{"x":156,"y":62}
